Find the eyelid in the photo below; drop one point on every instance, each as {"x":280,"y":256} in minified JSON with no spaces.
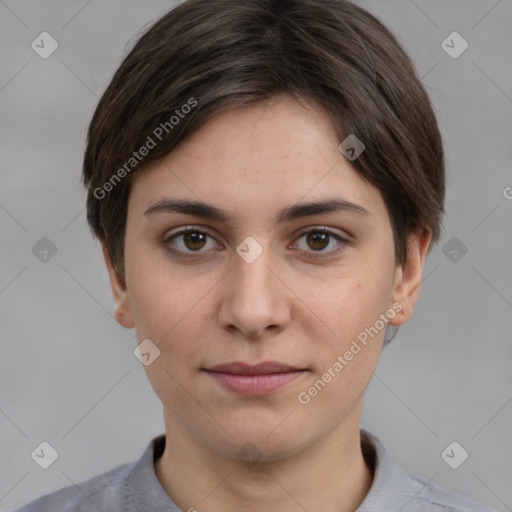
{"x":342,"y":234}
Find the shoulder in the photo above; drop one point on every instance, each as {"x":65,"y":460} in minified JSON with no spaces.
{"x":107,"y":492}
{"x":427,"y":496}
{"x":393,"y":489}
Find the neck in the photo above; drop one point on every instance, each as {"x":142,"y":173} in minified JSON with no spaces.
{"x":330,"y":475}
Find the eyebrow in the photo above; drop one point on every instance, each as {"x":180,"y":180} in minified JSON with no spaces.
{"x":297,"y":211}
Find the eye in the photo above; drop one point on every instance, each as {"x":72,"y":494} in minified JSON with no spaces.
{"x":191,"y":241}
{"x":187,"y":242}
{"x":319,"y":239}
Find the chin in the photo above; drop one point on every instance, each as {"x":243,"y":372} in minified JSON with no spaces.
{"x":252,"y":449}
{"x":253,"y":439}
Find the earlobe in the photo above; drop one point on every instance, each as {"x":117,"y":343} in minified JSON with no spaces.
{"x":122,"y":310}
{"x":408,"y":276}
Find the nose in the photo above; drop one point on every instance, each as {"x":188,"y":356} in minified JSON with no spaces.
{"x":254,"y":298}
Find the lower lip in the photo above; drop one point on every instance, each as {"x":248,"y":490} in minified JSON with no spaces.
{"x":255,"y":384}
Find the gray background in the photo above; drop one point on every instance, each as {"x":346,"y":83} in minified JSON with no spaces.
{"x":68,"y":372}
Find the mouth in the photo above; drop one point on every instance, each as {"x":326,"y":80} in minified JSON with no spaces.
{"x":255,"y":380}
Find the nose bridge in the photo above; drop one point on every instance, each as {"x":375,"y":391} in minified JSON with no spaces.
{"x":255,"y":298}
{"x":252,"y":275}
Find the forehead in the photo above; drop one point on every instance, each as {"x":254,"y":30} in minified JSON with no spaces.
{"x":265,"y":155}
{"x":280,"y":126}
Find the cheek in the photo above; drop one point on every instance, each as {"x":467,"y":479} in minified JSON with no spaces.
{"x":171,"y":309}
{"x":170,"y":314}
{"x":159,"y":296}
{"x":351,"y":306}
{"x":170,"y":317}
{"x":347,"y":356}
{"x":350,"y":302}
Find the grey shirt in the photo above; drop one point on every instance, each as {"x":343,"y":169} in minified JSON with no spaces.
{"x":134,"y":487}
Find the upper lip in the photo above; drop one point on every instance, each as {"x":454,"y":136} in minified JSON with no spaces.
{"x":240,"y":368}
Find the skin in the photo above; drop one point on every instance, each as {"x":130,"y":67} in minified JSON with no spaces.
{"x":285,"y":306}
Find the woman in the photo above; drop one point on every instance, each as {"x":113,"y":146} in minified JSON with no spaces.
{"x":266,"y":180}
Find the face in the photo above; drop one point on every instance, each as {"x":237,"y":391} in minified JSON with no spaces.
{"x":291,"y":300}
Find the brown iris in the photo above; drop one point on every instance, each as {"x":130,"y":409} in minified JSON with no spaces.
{"x":318,"y":241}
{"x":194,"y":241}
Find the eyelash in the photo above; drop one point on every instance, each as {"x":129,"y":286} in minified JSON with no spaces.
{"x":181,"y":254}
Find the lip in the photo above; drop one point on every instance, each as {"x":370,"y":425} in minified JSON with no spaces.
{"x":255,"y":380}
{"x":241,"y":368}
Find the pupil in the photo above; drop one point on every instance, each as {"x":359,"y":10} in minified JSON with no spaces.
{"x":191,"y":239}
{"x":316,"y":238}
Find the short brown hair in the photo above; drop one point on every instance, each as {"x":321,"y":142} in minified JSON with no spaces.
{"x":230,"y":53}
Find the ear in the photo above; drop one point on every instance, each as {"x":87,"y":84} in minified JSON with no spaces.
{"x":406,"y":288}
{"x":123,"y":311}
